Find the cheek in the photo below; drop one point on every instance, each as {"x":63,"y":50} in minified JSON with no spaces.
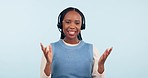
{"x":79,"y":28}
{"x":64,"y":29}
{"x":65,"y":26}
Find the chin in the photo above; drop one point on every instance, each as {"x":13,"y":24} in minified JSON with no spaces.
{"x":71,"y":37}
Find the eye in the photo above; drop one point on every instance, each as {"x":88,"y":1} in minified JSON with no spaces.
{"x":67,"y":21}
{"x":77,"y":22}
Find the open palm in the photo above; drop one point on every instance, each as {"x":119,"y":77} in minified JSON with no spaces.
{"x":103,"y":59}
{"x":47,"y":51}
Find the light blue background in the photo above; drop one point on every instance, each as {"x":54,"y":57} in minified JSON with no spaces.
{"x":122,"y":24}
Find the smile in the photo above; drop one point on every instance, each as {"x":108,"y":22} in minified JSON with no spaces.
{"x":71,"y":32}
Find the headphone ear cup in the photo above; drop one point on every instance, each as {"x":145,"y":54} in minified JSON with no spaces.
{"x":83,"y":22}
{"x":83,"y":27}
{"x":59,"y":25}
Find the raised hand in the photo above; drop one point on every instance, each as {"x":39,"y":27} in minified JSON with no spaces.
{"x":103,"y":59}
{"x":47,"y":51}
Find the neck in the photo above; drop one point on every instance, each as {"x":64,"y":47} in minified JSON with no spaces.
{"x":71,"y":41}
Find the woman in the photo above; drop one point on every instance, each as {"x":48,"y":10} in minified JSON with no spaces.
{"x":71,"y":57}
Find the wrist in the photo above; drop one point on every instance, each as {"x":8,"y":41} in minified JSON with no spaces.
{"x":48,"y":63}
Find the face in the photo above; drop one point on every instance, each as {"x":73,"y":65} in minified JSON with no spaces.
{"x":72,"y":25}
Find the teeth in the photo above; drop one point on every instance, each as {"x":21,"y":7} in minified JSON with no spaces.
{"x":71,"y":32}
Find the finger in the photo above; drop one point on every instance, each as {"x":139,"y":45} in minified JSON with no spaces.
{"x":109,"y":51}
{"x":49,"y":53}
{"x":50,"y":48}
{"x":105,"y":54}
{"x":103,"y":57}
{"x":46,"y":49}
{"x":42,"y":47}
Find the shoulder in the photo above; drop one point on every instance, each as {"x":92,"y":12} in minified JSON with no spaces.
{"x":56,"y":43}
{"x":94,"y":48}
{"x":87,"y":43}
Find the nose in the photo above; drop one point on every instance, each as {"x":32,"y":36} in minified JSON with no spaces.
{"x":72,"y":26}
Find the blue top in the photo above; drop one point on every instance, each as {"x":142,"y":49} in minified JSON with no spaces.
{"x":72,"y":61}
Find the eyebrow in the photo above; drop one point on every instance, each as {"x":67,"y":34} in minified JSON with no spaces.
{"x":74,"y":20}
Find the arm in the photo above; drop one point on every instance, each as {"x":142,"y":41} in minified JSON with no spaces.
{"x":102,"y":60}
{"x":43,"y":67}
{"x":96,"y":57}
{"x":46,"y":61}
{"x":98,"y":63}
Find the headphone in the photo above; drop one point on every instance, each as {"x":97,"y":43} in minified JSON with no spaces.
{"x":64,"y":12}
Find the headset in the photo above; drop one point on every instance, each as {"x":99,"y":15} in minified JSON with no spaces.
{"x":64,"y":12}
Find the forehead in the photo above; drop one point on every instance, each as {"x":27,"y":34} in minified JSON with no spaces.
{"x":72,"y":15}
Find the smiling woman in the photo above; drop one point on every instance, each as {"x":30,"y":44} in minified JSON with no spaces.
{"x":80,"y":20}
{"x":72,"y":27}
{"x":71,"y":54}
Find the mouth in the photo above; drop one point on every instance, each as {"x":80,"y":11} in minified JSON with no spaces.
{"x":71,"y":33}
